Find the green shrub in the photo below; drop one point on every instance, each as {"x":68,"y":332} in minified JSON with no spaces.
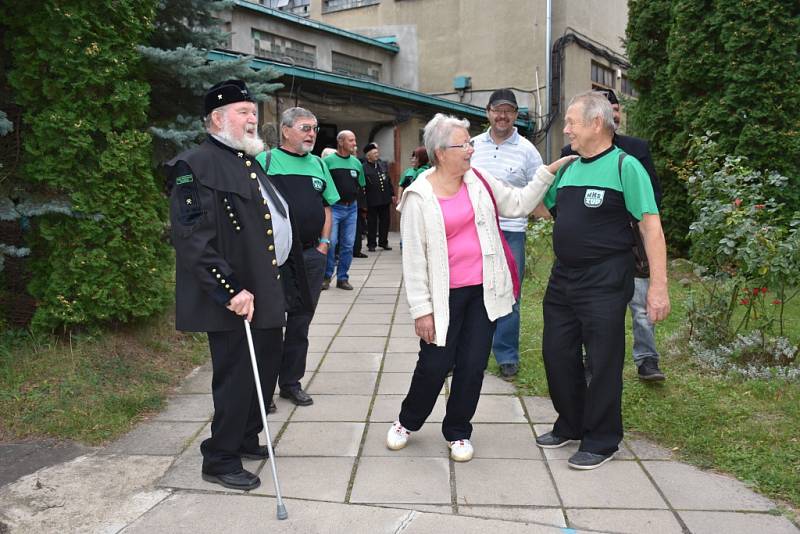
{"x":77,"y":77}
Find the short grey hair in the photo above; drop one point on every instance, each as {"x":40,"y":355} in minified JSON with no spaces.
{"x":595,"y":104}
{"x":290,"y":116}
{"x":437,"y":133}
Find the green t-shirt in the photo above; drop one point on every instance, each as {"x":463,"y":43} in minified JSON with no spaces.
{"x":594,"y":205}
{"x":348,"y":175}
{"x":307,"y":183}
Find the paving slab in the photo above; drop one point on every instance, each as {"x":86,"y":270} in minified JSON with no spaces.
{"x":354,"y":319}
{"x":493,"y":385}
{"x":428,"y":442}
{"x":540,"y":410}
{"x":312,"y":362}
{"x":194,"y":407}
{"x":403,"y":344}
{"x":322,"y":479}
{"x":503,"y":482}
{"x":198,"y":381}
{"x":367,"y":330}
{"x":343,"y":383}
{"x":688,"y":488}
{"x":736,"y":523}
{"x":326,"y":318}
{"x":499,"y":409}
{"x":402,"y":480}
{"x":527,"y":514}
{"x":500,"y":440}
{"x":155,"y":438}
{"x":400,"y":362}
{"x":321,"y":439}
{"x":372,"y":307}
{"x":335,"y":408}
{"x":377,"y":299}
{"x":337,"y":362}
{"x":92,"y":493}
{"x":394,"y":383}
{"x":431,"y":523}
{"x":320,"y":330}
{"x":617,"y":484}
{"x":386,"y":408}
{"x":333,"y":306}
{"x":358,"y":344}
{"x":645,"y":450}
{"x":625,"y":521}
{"x":319,"y":343}
{"x":201,"y":513}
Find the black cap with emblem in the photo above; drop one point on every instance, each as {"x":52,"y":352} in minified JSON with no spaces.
{"x":224,"y":93}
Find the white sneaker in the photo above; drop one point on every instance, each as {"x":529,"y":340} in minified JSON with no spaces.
{"x":397,"y":438}
{"x":461,"y":450}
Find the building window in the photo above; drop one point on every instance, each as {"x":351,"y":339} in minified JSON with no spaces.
{"x":627,"y":88}
{"x":329,"y":6}
{"x":355,"y":67}
{"x":602,"y":76}
{"x":296,"y":7}
{"x":283,"y":49}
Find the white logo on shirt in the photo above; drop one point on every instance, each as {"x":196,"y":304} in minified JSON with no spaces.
{"x":593,"y":198}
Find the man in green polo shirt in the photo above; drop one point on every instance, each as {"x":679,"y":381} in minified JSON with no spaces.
{"x":310,"y":192}
{"x":595,"y":199}
{"x":348,"y":175}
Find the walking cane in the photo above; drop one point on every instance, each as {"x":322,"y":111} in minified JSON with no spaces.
{"x":281,"y":508}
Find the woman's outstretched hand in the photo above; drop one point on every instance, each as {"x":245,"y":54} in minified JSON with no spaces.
{"x":557,"y":164}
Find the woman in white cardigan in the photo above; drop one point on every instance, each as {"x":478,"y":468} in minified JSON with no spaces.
{"x":456,"y":276}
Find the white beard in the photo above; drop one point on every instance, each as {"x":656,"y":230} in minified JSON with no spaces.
{"x":249,"y":143}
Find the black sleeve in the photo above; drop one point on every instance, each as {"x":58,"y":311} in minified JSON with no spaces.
{"x":193,"y":218}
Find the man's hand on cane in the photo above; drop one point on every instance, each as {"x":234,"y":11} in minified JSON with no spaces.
{"x":243,"y":303}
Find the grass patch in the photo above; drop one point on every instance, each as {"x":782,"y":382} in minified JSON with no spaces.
{"x":748,"y":428}
{"x":91,"y":388}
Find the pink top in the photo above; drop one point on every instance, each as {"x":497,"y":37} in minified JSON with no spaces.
{"x":463,"y":246}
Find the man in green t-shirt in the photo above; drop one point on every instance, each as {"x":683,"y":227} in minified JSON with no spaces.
{"x":305,"y":181}
{"x":594,"y":201}
{"x":348,"y":175}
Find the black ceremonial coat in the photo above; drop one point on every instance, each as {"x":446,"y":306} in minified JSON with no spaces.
{"x":223,"y":238}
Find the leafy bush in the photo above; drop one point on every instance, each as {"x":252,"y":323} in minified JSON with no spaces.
{"x":748,"y":251}
{"x":76,"y":75}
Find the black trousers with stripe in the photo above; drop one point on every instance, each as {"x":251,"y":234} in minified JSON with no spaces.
{"x":584,"y":308}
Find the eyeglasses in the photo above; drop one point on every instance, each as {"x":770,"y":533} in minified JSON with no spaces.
{"x":503,"y":111}
{"x":305,"y":128}
{"x":463,"y":146}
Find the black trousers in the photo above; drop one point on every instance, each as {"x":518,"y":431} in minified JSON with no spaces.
{"x":361,"y":229}
{"x":378,"y":226}
{"x":237,"y":418}
{"x":469,"y":340}
{"x":585,"y":308}
{"x":295,"y":340}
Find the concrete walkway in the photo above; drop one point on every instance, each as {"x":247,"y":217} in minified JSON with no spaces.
{"x":338,"y":476}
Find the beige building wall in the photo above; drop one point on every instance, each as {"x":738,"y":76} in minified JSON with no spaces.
{"x":498,"y":43}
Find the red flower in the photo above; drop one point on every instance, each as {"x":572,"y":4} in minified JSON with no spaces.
{"x":738,"y":202}
{"x":759,"y":206}
{"x":745,"y":302}
{"x":776,"y":301}
{"x":763,"y":289}
{"x":756,"y":291}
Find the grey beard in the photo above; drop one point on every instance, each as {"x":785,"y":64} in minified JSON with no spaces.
{"x":251,"y":146}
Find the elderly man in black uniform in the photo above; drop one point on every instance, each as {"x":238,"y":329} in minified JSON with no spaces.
{"x":237,"y":258}
{"x":379,"y":196}
{"x":596,"y":196}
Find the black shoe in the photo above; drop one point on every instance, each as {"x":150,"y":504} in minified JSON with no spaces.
{"x":259,"y":453}
{"x":238,"y":480}
{"x":508,"y":371}
{"x":371,"y":249}
{"x":386,"y":247}
{"x":344,"y":284}
{"x":297,"y":396}
{"x":588,"y":460}
{"x":551,"y":441}
{"x":326,"y":283}
{"x":360,"y":255}
{"x":650,"y":372}
{"x":272,"y":408}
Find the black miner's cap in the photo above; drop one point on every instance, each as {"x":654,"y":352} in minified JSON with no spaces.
{"x":224,"y":93}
